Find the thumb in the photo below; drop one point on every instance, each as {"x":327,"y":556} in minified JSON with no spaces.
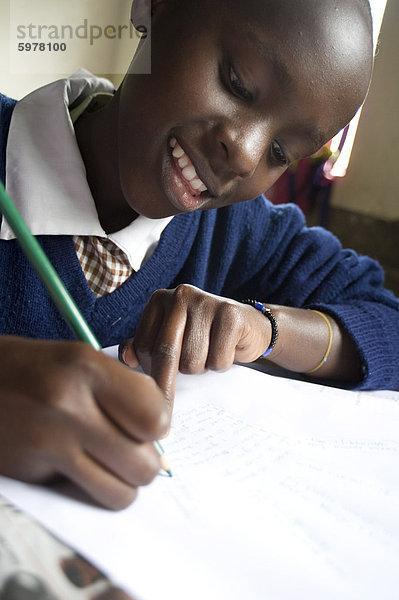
{"x":127,"y":355}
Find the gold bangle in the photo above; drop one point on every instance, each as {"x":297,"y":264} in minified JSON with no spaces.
{"x":330,"y":337}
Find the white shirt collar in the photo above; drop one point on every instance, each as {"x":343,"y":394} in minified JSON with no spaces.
{"x":46,"y":176}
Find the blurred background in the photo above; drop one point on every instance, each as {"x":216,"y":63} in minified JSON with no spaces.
{"x":362,"y":207}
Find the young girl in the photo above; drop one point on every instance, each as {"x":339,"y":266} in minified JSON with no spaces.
{"x":137,"y":198}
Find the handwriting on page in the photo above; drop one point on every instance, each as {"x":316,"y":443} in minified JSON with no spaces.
{"x":281,"y":490}
{"x":319,"y":479}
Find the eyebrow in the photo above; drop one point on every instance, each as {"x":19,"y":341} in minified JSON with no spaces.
{"x":317,"y":137}
{"x":285,"y":79}
{"x":280,"y":69}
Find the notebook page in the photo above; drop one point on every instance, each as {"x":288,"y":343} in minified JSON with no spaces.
{"x":281,"y":489}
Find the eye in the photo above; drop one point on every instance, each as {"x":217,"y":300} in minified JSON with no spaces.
{"x":278,"y":154}
{"x":237,"y":86}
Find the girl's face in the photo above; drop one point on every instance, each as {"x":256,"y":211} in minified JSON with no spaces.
{"x":238,"y":90}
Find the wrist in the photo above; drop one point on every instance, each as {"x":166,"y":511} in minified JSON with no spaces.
{"x":267,"y":312}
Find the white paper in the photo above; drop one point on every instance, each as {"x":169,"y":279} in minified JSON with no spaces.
{"x":281,"y":490}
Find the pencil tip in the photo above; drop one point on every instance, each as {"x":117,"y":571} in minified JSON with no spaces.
{"x":169,"y":472}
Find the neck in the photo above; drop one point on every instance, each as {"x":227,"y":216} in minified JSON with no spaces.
{"x":96,"y":134}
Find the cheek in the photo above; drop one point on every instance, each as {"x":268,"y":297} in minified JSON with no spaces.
{"x":262,"y":181}
{"x":133,"y":114}
{"x":187,"y":81}
{"x":252,"y":188}
{"x":191,"y":98}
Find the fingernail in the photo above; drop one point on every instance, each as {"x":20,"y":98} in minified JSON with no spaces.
{"x":129,"y":357}
{"x":79,"y":572}
{"x":121,"y":353}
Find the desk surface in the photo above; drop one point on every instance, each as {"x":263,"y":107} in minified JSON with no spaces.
{"x":279,"y":485}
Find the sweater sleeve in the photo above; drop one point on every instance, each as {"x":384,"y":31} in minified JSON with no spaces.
{"x":307,"y":267}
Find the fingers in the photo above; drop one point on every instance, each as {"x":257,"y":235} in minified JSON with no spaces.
{"x":115,"y":460}
{"x":98,"y":483}
{"x":109,"y":471}
{"x":196,"y":342}
{"x":173,"y":335}
{"x":189,"y":330}
{"x":223,"y":340}
{"x":166,"y":351}
{"x":132,"y":400}
{"x":158,"y":339}
{"x":134,"y":463}
{"x":68,"y":409}
{"x":106,"y":456}
{"x":155,"y":314}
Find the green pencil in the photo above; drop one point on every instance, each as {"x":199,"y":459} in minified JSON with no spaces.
{"x":53,"y":283}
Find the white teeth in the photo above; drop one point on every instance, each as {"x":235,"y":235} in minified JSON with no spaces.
{"x":189,"y":173}
{"x":188,"y":170}
{"x":183,"y":161}
{"x":196,"y":184}
{"x":178,"y":151}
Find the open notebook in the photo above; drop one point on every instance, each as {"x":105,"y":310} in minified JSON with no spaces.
{"x":281,"y":490}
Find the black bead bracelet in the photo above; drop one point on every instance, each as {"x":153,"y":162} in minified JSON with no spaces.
{"x":268,"y":313}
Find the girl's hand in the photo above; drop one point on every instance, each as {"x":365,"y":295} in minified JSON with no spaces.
{"x":189,"y":330}
{"x":66,"y":409}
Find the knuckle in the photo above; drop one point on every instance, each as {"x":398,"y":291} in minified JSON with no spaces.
{"x":75,"y":355}
{"x":76,"y":363}
{"x":231,"y":314}
{"x":157,"y":296}
{"x":39,"y":441}
{"x":165,"y":352}
{"x":67,"y":396}
{"x":183,"y":291}
{"x":60,"y":397}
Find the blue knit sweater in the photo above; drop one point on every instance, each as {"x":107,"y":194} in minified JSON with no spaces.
{"x":252,"y":249}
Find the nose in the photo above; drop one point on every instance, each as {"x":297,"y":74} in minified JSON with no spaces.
{"x":243,"y":146}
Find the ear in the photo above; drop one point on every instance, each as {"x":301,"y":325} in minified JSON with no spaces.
{"x":141,"y":12}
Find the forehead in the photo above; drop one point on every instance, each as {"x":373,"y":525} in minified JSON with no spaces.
{"x":317,"y":48}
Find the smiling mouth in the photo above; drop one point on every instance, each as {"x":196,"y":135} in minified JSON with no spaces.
{"x":186,"y":169}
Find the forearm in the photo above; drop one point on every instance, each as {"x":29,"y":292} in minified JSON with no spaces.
{"x":303,"y":341}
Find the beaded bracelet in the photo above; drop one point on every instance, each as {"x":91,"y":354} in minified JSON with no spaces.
{"x":268,"y":313}
{"x":330,"y":338}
